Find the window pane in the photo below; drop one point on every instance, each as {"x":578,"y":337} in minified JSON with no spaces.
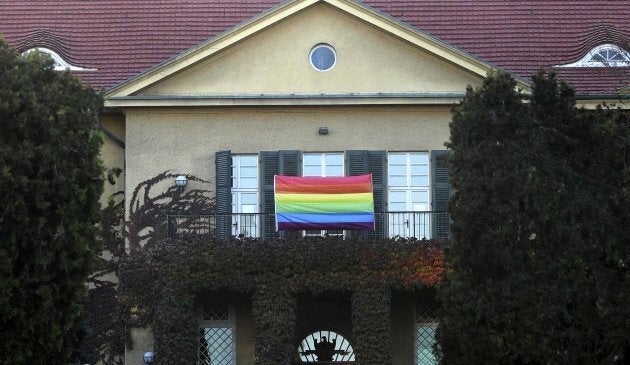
{"x":248,"y":182}
{"x":425,"y":338}
{"x":249,"y":171}
{"x":397,"y":181}
{"x":249,"y":160}
{"x":420,"y":169}
{"x":419,"y":158}
{"x":419,"y":180}
{"x":397,"y":169}
{"x":249,"y":198}
{"x":312,"y":159}
{"x":216,"y":346}
{"x":312,"y":171}
{"x":397,"y":196}
{"x":334,"y":171}
{"x":334,"y":159}
{"x":397,"y":158}
{"x":419,"y":197}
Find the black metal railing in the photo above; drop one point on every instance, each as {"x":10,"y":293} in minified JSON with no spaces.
{"x":428,"y":225}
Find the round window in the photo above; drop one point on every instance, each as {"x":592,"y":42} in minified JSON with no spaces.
{"x":323,"y":57}
{"x":325,"y":346}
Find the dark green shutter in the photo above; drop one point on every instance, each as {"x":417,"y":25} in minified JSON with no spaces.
{"x":290,"y":164}
{"x":441,"y":193}
{"x":268,"y":169}
{"x":287,"y":163}
{"x":359,"y":162}
{"x":223,"y":203}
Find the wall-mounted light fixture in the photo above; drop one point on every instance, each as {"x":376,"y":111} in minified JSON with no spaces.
{"x":181,"y":182}
{"x":323,"y":130}
{"x":148,"y":357}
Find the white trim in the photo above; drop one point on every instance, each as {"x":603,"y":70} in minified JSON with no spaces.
{"x":326,"y":46}
{"x":587,"y":60}
{"x":59,"y":63}
{"x":287,"y":9}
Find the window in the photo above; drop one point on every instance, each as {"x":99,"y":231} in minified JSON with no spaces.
{"x":402,"y":178}
{"x":605,"y":55}
{"x":217,"y":345}
{"x":245,"y":220}
{"x":325,"y":346}
{"x":59,"y":63}
{"x":408,"y":194}
{"x":426,"y":325}
{"x":323,"y":165}
{"x":323,"y":57}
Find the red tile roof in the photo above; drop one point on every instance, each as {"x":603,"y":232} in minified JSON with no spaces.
{"x":122,"y":38}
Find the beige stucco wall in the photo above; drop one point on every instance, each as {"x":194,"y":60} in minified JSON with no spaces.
{"x":185,"y":141}
{"x":276,"y":62}
{"x":112,"y":154}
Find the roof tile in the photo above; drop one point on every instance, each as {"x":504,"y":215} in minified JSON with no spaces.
{"x":122,"y":38}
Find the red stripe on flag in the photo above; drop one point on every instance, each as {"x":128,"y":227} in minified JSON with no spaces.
{"x":324,"y":185}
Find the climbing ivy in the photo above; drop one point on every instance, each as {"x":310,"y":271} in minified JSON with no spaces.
{"x":163,"y":279}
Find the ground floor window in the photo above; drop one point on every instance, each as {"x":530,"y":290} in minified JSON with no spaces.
{"x":325,"y":345}
{"x":426,"y":325}
{"x":217,"y":344}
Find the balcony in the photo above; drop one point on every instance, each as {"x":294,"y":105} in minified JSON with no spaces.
{"x":421,"y":225}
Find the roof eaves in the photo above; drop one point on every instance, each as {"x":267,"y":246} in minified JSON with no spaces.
{"x":441,"y":41}
{"x":200,"y":45}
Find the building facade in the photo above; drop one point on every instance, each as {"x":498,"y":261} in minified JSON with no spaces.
{"x":235,"y":92}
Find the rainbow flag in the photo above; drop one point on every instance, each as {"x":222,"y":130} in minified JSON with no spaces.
{"x":324,"y":202}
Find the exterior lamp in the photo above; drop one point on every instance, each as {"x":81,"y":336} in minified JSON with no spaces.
{"x":323,"y":130}
{"x":181,"y":182}
{"x":148,"y":357}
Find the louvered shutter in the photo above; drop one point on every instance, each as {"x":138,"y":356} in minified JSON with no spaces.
{"x":268,"y":168}
{"x":290,"y":164}
{"x":223,"y":196}
{"x":359,"y":162}
{"x":441,"y":193}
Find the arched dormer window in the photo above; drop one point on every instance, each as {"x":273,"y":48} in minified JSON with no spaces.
{"x":605,"y":55}
{"x":59,"y":63}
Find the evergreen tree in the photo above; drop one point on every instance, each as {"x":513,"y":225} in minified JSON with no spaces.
{"x":50,"y":183}
{"x":535,"y":263}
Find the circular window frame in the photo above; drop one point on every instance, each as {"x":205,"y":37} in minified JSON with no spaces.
{"x":306,"y":355}
{"x":317,"y":47}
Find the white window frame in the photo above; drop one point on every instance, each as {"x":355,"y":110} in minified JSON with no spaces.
{"x":245,"y":225}
{"x":587,"y":60}
{"x":59,"y":63}
{"x":323,"y":172}
{"x":406,"y":223}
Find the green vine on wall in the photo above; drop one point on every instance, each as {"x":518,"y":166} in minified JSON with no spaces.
{"x":273,"y":274}
{"x":107,"y":317}
{"x":161,"y":278}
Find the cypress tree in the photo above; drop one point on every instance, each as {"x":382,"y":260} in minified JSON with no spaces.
{"x":50,"y":183}
{"x":535,"y":259}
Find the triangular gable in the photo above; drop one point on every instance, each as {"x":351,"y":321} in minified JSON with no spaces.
{"x":214,"y":47}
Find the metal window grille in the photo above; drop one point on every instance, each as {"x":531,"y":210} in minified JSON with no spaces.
{"x":216,"y":312}
{"x":217,"y":345}
{"x":426,"y":325}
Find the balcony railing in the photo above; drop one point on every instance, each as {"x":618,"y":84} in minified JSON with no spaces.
{"x":428,"y":225}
